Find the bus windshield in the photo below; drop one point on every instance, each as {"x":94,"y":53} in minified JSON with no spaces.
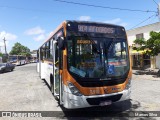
{"x":12,"y":58}
{"x":98,"y":57}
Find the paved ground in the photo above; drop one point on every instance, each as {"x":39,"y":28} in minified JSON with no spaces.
{"x":146,"y":90}
{"x":22,"y":90}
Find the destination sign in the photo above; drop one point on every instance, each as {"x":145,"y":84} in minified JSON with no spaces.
{"x":85,"y":42}
{"x":96,"y":29}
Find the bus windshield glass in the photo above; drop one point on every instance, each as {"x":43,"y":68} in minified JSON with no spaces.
{"x":90,"y":57}
{"x":12,"y":58}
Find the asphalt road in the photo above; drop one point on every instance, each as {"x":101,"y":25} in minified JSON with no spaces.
{"x":23,"y":90}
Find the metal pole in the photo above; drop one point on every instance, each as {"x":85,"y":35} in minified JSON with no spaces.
{"x":159,"y":12}
{"x":5,"y":46}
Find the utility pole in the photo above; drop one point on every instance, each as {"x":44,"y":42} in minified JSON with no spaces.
{"x":159,"y":12}
{"x":5,"y":45}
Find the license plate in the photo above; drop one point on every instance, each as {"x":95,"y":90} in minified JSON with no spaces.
{"x":103,"y":103}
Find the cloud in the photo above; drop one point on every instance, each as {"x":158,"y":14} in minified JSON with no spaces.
{"x":84,"y":18}
{"x":40,"y":37}
{"x":35,"y":31}
{"x":123,"y":24}
{"x":8,"y":36}
{"x":1,"y":43}
{"x":116,"y":21}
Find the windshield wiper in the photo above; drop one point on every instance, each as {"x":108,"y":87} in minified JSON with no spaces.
{"x":95,"y":47}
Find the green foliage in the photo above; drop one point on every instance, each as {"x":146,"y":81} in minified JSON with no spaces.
{"x":1,"y":54}
{"x":19,"y":49}
{"x":152,"y":45}
{"x":141,"y":42}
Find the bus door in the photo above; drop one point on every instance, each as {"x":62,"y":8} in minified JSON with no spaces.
{"x":39,"y":61}
{"x":56,"y":69}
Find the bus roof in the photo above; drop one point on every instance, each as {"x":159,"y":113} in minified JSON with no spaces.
{"x":92,"y":22}
{"x":76,"y":21}
{"x":56,"y":30}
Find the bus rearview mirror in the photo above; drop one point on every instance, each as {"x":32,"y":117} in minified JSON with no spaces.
{"x":61,"y":43}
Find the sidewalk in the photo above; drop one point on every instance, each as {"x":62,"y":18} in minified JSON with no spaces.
{"x":147,"y":74}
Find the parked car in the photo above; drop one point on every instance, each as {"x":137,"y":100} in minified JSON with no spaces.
{"x":5,"y":67}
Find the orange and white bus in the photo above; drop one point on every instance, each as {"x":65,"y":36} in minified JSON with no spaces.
{"x":17,"y":59}
{"x":86,"y":64}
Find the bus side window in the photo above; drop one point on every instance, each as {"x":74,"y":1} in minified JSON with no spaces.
{"x":51,"y":49}
{"x":41,"y":53}
{"x":56,"y":53}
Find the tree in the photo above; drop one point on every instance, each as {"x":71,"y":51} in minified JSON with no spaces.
{"x":1,"y":54}
{"x":141,"y":42}
{"x":152,"y":45}
{"x":19,"y":49}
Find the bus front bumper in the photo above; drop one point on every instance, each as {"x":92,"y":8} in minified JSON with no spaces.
{"x":72,"y":102}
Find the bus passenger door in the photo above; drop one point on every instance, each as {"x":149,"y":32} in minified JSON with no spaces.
{"x":39,"y":61}
{"x":56,"y":69}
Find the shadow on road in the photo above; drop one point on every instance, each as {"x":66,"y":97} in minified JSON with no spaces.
{"x":5,"y":72}
{"x":115,"y":110}
{"x":155,"y":73}
{"x":120,"y":110}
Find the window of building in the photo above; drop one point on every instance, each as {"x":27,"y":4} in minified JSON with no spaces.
{"x":139,"y":36}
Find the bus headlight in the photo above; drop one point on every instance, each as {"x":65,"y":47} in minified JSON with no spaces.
{"x":128,"y":84}
{"x":73,"y":89}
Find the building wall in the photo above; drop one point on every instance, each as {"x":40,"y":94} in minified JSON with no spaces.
{"x":158,"y":61}
{"x":145,"y":30}
{"x":131,"y":34}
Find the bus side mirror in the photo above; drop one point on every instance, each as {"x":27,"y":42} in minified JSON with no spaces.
{"x":61,"y":43}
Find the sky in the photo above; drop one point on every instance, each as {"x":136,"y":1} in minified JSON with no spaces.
{"x":30,"y":22}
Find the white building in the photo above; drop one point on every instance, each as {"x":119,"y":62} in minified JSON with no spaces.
{"x":143,"y":32}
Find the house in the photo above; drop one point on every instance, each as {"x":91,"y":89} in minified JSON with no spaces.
{"x":139,"y":58}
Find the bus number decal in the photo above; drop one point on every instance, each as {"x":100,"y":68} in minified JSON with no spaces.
{"x":94,"y":91}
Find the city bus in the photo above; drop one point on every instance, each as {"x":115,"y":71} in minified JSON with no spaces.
{"x":86,"y":64}
{"x":17,"y":59}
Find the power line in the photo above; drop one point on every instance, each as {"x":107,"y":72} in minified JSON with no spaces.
{"x":152,"y":20}
{"x":44,"y":11}
{"x":98,"y":6}
{"x":155,"y":2}
{"x":158,"y":9}
{"x":143,"y":21}
{"x":32,"y":10}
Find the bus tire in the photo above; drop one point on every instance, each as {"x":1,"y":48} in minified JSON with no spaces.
{"x":52,"y":84}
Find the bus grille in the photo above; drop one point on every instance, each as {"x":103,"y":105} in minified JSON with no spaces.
{"x":97,"y":101}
